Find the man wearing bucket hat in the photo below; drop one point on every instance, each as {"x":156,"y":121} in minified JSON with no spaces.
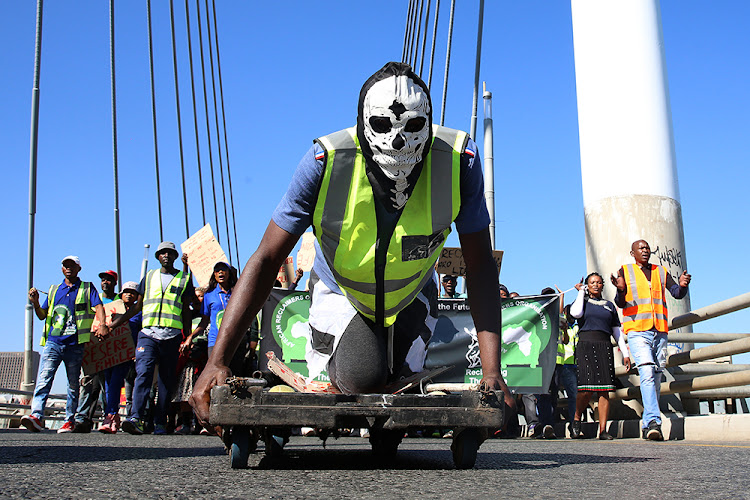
{"x":165,"y":297}
{"x":68,"y":313}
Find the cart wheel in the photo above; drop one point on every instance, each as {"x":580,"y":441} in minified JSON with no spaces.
{"x":464,"y":447}
{"x":385,"y":442}
{"x":239,"y":451}
{"x":274,"y":444}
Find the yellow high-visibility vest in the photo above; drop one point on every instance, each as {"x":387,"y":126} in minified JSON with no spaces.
{"x":164,"y":308}
{"x":345,"y":223}
{"x":83,"y":313}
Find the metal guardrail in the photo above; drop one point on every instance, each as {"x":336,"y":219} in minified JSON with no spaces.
{"x":717,"y":380}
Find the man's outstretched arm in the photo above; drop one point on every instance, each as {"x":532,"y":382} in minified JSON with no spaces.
{"x":248,"y":297}
{"x":484,"y":298}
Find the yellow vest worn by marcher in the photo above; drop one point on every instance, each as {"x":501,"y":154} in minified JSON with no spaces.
{"x":164,"y":307}
{"x":345,"y":223}
{"x":566,"y":353}
{"x":645,"y":303}
{"x":84,"y":314}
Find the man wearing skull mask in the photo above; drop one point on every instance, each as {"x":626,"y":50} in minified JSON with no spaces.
{"x":381,"y":197}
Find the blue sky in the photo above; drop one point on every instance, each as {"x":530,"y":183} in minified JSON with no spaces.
{"x":293,"y":73}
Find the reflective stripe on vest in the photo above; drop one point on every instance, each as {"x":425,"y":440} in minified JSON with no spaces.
{"x":345,"y":223}
{"x":84,"y":315}
{"x":566,"y":353}
{"x":645,"y":304}
{"x":164,"y":308}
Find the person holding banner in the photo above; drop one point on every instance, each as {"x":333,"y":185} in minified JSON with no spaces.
{"x":598,"y":323}
{"x":114,"y":377}
{"x":365,"y":191}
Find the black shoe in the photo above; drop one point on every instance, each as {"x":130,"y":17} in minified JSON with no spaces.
{"x":575,"y":429}
{"x":605,"y":436}
{"x":83,"y":427}
{"x":653,"y":432}
{"x":549,"y":432}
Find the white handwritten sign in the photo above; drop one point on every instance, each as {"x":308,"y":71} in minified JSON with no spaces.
{"x":117,"y":348}
{"x":451,"y":261}
{"x":306,"y":254}
{"x":203,"y":253}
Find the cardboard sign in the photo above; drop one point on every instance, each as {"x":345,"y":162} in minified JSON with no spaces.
{"x":306,"y":254}
{"x":286,"y":272}
{"x":117,"y":348}
{"x":203,"y":253}
{"x":451,"y":261}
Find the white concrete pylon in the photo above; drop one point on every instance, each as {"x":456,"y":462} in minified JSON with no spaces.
{"x":628,"y":166}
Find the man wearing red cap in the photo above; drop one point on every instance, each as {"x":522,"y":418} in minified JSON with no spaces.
{"x":109,"y":282}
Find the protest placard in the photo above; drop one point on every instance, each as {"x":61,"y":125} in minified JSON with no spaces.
{"x":203,"y":253}
{"x":117,"y":348}
{"x":306,"y":254}
{"x":286,"y":272}
{"x":451,"y":261}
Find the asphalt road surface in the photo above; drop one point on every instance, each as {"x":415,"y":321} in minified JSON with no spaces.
{"x":50,"y":465}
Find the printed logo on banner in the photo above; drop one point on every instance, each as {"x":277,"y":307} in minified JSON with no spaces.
{"x":527,"y":329}
{"x":528,"y":356}
{"x":290,"y":326}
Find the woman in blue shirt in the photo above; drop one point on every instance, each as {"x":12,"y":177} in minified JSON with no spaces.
{"x":215,"y":301}
{"x":598,"y":323}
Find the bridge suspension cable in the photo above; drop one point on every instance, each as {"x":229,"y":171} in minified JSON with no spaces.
{"x":195,"y":111}
{"x":153,"y":119}
{"x":179,"y":121}
{"x":226,"y":142}
{"x":216,"y":121}
{"x":114,"y":133}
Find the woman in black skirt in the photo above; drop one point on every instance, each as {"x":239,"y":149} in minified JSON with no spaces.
{"x":598,"y":322}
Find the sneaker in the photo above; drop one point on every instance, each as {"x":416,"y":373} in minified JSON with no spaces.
{"x":549,"y":432}
{"x":68,"y":426}
{"x":184,"y":430}
{"x":605,"y":436}
{"x":133,"y":426}
{"x":653,"y":432}
{"x":83,"y":427}
{"x":108,"y":426}
{"x":160,"y":430}
{"x":32,"y":423}
{"x":448,"y":435}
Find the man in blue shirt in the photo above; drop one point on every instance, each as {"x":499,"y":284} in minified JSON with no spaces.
{"x":354,"y":187}
{"x":68,"y":311}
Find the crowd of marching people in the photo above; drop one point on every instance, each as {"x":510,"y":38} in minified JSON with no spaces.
{"x":174,"y":327}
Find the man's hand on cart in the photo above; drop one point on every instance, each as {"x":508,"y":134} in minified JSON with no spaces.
{"x":200,"y":400}
{"x":496,"y":382}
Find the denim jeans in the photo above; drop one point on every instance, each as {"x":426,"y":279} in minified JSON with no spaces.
{"x":148,"y":354}
{"x":91,"y":394}
{"x":649,"y":352}
{"x":114,"y":379}
{"x":567,"y":377}
{"x":52,"y":355}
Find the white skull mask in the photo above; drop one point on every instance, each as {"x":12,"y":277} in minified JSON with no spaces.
{"x":396,"y":114}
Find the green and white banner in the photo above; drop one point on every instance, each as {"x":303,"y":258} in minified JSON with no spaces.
{"x":529,"y":343}
{"x":529,"y":339}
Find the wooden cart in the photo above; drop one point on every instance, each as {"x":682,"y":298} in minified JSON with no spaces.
{"x":251,"y":412}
